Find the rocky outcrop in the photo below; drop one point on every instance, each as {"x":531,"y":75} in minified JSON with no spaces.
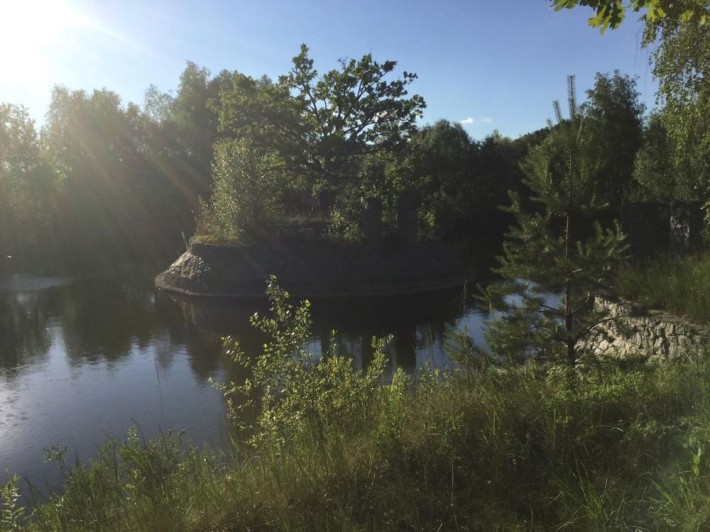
{"x":629,"y":332}
{"x":314,"y":268}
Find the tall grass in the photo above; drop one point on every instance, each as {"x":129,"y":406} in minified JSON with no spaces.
{"x":488,"y":447}
{"x":135,"y":485}
{"x":516,"y":448}
{"x":677,"y":284}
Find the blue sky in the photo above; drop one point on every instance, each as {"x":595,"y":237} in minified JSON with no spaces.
{"x":492,"y":64}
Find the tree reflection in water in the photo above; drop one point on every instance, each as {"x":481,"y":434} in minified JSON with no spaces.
{"x":84,"y":359}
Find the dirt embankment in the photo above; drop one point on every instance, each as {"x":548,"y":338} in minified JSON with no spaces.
{"x":314,"y":268}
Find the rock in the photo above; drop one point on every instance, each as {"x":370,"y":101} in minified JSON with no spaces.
{"x":657,"y":335}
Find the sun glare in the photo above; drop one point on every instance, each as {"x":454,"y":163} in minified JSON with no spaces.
{"x":29,"y":31}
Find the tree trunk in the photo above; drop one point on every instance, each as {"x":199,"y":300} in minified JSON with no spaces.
{"x":571,"y":355}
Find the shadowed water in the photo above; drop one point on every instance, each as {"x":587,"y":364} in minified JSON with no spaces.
{"x":84,"y":359}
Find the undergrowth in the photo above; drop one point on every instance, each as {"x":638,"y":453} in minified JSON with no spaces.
{"x":679,"y":285}
{"x":489,"y":447}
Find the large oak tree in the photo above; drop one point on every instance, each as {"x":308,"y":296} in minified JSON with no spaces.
{"x":323,"y":127}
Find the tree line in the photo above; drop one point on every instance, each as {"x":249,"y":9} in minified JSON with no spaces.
{"x":233,"y":157}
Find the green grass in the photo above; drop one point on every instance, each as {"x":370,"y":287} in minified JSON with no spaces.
{"x":679,"y":285}
{"x":498,"y":449}
{"x":613,"y":445}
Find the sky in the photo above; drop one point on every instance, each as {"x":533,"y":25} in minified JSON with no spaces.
{"x":487,"y":64}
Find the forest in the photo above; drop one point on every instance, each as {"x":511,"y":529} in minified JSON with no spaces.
{"x":103,"y":182}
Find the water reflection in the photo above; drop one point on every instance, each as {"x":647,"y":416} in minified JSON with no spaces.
{"x":82,"y":359}
{"x":418,"y":325}
{"x":23,"y":326}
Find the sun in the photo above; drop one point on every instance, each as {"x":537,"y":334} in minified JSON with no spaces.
{"x":29,"y":32}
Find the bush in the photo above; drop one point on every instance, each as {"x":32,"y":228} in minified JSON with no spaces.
{"x":135,"y":484}
{"x":246,"y":194}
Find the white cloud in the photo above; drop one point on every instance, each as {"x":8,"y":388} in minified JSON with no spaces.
{"x":471,"y":121}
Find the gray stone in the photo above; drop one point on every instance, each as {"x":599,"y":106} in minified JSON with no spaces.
{"x":657,"y":336}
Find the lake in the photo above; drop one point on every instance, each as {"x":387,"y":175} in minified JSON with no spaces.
{"x":83,"y":359}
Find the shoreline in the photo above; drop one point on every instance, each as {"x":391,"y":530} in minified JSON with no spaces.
{"x":314,"y":269}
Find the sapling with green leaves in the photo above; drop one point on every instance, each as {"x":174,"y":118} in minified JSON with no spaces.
{"x":296,"y":390}
{"x":556,"y":248}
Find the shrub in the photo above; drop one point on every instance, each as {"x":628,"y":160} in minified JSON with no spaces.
{"x":295,"y":390}
{"x":246,"y":194}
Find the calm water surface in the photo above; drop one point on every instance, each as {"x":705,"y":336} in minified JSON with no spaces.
{"x":87,"y":358}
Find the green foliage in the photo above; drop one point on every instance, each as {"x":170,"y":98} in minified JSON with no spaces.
{"x":262,"y":112}
{"x":344,"y":221}
{"x":460,"y":182}
{"x":136,"y":484}
{"x":351,"y":111}
{"x":105,"y":183}
{"x":613,"y":115}
{"x":12,"y":515}
{"x":184,"y":128}
{"x":548,"y":253}
{"x":179,"y":132}
{"x":513,"y":447}
{"x":681,"y":63}
{"x":611,"y":13}
{"x":298,"y":392}
{"x":27,"y":184}
{"x":653,"y":169}
{"x":325,"y":128}
{"x":115,"y":200}
{"x":246,"y":194}
{"x":442,"y":157}
{"x":675,"y":284}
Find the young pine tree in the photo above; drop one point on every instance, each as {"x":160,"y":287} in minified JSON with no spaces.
{"x":556,"y":249}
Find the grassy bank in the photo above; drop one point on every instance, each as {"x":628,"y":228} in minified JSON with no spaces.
{"x":679,"y":285}
{"x":486,"y":447}
{"x":520,"y":448}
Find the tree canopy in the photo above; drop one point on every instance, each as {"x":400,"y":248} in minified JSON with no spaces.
{"x":614,"y":118}
{"x":323,"y":128}
{"x":351,"y":111}
{"x":26,"y":184}
{"x":611,"y":13}
{"x":682,"y":67}
{"x":109,"y":181}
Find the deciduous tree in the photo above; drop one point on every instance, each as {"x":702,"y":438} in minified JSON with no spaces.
{"x":350,"y":112}
{"x":681,"y":63}
{"x":26,"y":186}
{"x":611,"y":13}
{"x":614,"y":118}
{"x":654,"y":178}
{"x":107,"y":202}
{"x":324,"y":127}
{"x":246,"y":194}
{"x":443,"y":158}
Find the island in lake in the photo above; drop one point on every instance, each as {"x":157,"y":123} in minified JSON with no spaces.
{"x":314,"y":268}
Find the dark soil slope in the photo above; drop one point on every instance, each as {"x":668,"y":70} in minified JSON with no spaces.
{"x":314,"y":268}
